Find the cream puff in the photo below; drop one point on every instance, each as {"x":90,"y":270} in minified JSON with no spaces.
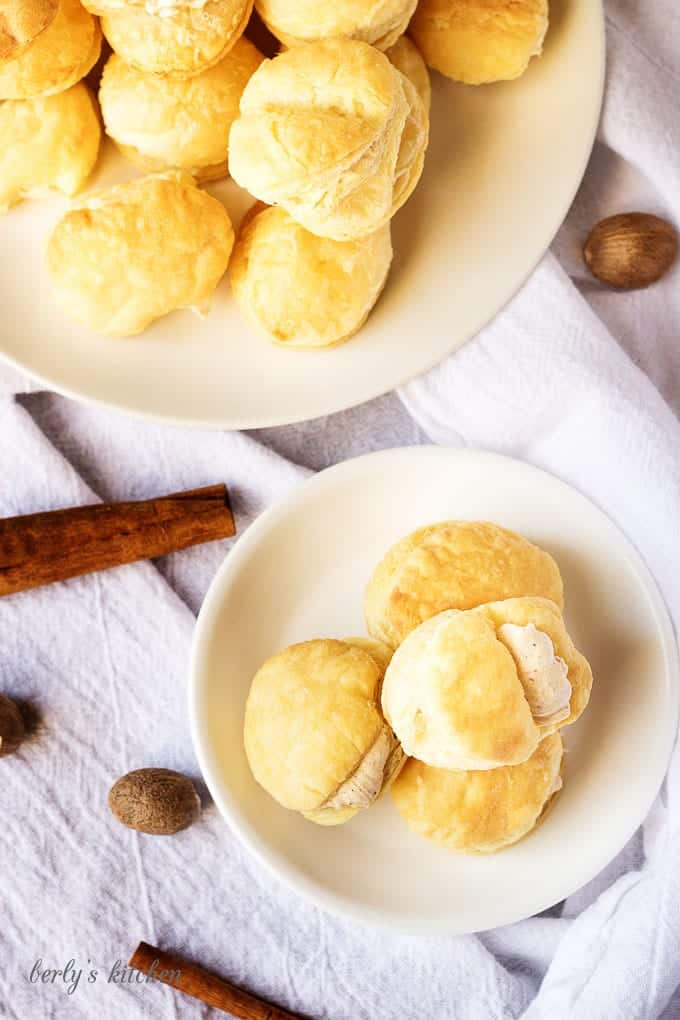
{"x":480,"y":812}
{"x":333,"y":133}
{"x":161,"y":122}
{"x":126,"y":256}
{"x":315,"y":736}
{"x":51,"y":142}
{"x":57,"y":58}
{"x":179,"y":38}
{"x":480,"y":41}
{"x":454,"y":565}
{"x":479,"y":689}
{"x":306,"y":291}
{"x":297,"y":21}
{"x":22,"y":21}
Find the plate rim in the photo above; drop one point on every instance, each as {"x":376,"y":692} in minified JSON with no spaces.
{"x":300,"y":884}
{"x":242,"y":422}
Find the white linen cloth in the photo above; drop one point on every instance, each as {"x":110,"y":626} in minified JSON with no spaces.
{"x":572,"y":377}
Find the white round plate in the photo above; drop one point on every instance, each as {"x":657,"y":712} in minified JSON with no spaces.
{"x":504,"y":165}
{"x":300,"y":572}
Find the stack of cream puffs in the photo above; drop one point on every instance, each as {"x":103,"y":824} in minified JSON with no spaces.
{"x":49,"y":125}
{"x":456,"y":700}
{"x":329,"y":137}
{"x":332,"y":133}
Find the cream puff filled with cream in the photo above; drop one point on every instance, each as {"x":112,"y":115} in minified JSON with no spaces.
{"x":479,"y":689}
{"x":178,"y":38}
{"x":315,"y":736}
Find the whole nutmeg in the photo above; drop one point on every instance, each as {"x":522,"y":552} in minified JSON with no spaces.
{"x":631,"y":251}
{"x":12,"y":728}
{"x":159,"y":802}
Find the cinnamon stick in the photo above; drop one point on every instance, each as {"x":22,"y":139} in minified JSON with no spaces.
{"x":38,"y":549}
{"x":202,"y":985}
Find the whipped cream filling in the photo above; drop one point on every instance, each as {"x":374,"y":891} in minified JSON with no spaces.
{"x":169,"y":7}
{"x":544,"y":675}
{"x":161,"y":7}
{"x":366,"y":782}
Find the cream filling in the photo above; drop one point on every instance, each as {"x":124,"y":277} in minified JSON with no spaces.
{"x":377,"y":767}
{"x":544,"y":675}
{"x":163,"y":8}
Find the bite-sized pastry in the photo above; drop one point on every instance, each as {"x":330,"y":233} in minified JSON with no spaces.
{"x":161,"y":122}
{"x":407,"y":58}
{"x":333,"y":133}
{"x":454,"y":565}
{"x":176,"y":38}
{"x":57,"y":58}
{"x":480,"y":41}
{"x":306,"y":291}
{"x":51,"y":142}
{"x":128,"y":255}
{"x":479,"y":688}
{"x":480,"y":812}
{"x":22,"y":21}
{"x":297,"y":21}
{"x":315,"y":736}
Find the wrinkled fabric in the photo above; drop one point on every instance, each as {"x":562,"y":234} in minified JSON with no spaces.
{"x":572,"y":377}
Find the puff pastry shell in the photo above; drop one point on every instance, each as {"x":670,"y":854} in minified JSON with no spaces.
{"x":306,"y":291}
{"x":179,"y":40}
{"x":456,"y":697}
{"x":454,"y":565}
{"x":162,"y":122}
{"x":333,"y":133}
{"x":51,"y":142}
{"x":57,"y":58}
{"x":480,"y":812}
{"x":22,"y":21}
{"x":379,"y":22}
{"x":314,"y":733}
{"x":131,"y":254}
{"x":480,"y":41}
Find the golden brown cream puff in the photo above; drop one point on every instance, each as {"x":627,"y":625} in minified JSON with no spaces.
{"x":302,"y":290}
{"x":333,"y":133}
{"x":480,"y":812}
{"x":161,"y":122}
{"x":480,"y":41}
{"x":51,"y":142}
{"x":454,"y":565}
{"x":174,"y":38}
{"x":297,"y":21}
{"x":479,"y":689}
{"x":57,"y":58}
{"x":22,"y":21}
{"x":131,"y":254}
{"x":315,"y":736}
